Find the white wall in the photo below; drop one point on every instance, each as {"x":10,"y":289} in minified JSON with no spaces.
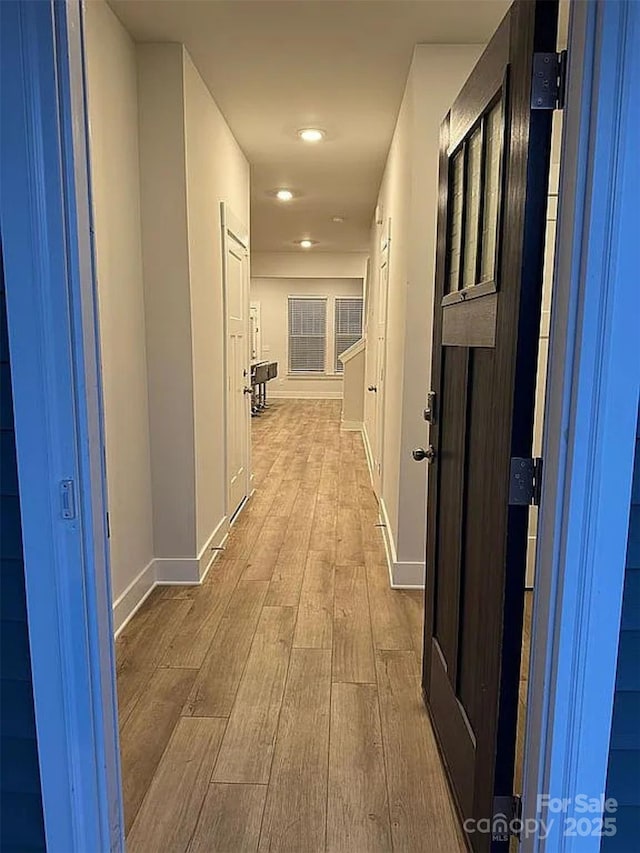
{"x":167,"y":297}
{"x":163,"y":159}
{"x":190,"y":163}
{"x":114,"y":152}
{"x":272,"y":294}
{"x":216,"y":171}
{"x":308,"y":264}
{"x":408,"y":197}
{"x":353,"y":390}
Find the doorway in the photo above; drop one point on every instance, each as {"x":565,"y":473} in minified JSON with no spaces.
{"x":494,"y":172}
{"x":82,"y":665}
{"x":378,"y":388}
{"x":239,"y":340}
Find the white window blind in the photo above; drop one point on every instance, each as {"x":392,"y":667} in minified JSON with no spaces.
{"x":307,"y":334}
{"x":348,"y":327}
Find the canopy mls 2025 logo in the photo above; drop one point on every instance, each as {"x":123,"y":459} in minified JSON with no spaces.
{"x":581,"y":816}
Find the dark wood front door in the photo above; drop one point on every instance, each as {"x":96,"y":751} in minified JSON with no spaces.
{"x":494,"y":167}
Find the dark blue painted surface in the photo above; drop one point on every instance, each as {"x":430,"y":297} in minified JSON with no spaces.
{"x":21,"y":820}
{"x":623,"y":777}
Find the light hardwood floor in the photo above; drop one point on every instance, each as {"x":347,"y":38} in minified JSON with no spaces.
{"x":277,"y":707}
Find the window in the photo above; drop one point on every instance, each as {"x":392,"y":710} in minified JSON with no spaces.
{"x":475,"y":178}
{"x":348,"y":328}
{"x":307,"y":334}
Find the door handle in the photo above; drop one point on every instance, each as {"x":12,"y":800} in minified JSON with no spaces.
{"x":372,"y":388}
{"x":420,"y":453}
{"x":248,"y":390}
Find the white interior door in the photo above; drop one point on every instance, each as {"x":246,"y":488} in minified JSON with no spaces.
{"x":238,"y":405}
{"x":381,"y":357}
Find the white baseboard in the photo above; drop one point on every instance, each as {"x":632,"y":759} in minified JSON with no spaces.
{"x":402,"y":575}
{"x":133,"y":597}
{"x":168,"y":571}
{"x":367,"y":451}
{"x":213,"y":547}
{"x":177,"y":570}
{"x":192,"y":570}
{"x":351,"y":426}
{"x":408,"y":576}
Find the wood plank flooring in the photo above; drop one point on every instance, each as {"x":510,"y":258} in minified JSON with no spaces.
{"x":277,"y":706}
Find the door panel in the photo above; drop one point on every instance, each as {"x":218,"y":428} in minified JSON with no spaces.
{"x":452,"y":459}
{"x":494,"y":165}
{"x":236,"y":274}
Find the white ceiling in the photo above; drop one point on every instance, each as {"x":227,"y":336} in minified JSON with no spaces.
{"x":274,"y":67}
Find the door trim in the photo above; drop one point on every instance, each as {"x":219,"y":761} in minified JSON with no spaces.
{"x":384,"y":261}
{"x":232,"y":226}
{"x":593,"y":374}
{"x":46,"y":225}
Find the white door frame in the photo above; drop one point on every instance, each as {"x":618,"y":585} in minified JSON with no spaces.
{"x":384,"y":262}
{"x":55,"y":363}
{"x":592,"y":402}
{"x":590,"y":424}
{"x":255,"y":306}
{"x":234,"y":229}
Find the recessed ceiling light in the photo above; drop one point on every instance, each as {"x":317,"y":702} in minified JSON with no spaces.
{"x":284,"y":195}
{"x":337,"y":218}
{"x":306,"y":244}
{"x":311,"y":134}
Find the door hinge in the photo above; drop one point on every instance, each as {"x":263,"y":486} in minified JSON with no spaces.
{"x":525,"y":481}
{"x":108,"y":522}
{"x":67,"y":499}
{"x":429,"y":414}
{"x":507,"y":813}
{"x":548,"y":81}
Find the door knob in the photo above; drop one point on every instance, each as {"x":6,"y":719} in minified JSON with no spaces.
{"x":420,"y":453}
{"x":248,"y":390}
{"x":372,"y":388}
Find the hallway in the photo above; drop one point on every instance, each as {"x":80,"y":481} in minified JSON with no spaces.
{"x":277,"y":706}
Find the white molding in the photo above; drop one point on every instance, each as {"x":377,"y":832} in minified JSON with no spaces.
{"x":51,"y":308}
{"x":130,"y":601}
{"x":172,"y":571}
{"x":408,"y":576}
{"x":367,"y":451}
{"x":402,"y":575}
{"x":184,"y":570}
{"x":589,"y":430}
{"x":387,"y":535}
{"x":214,"y":545}
{"x":354,"y":350}
{"x":351,"y":426}
{"x":233,"y":229}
